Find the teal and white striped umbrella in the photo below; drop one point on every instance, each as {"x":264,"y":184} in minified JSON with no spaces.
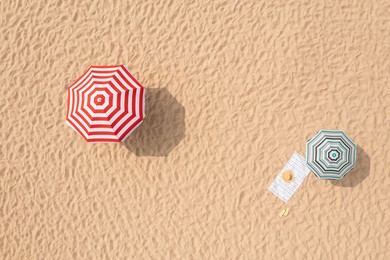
{"x":330,"y":154}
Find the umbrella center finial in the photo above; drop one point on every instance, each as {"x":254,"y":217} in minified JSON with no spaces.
{"x":99,"y":100}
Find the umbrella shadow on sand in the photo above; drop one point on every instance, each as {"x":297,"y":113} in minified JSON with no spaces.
{"x":163,"y":127}
{"x":357,"y":174}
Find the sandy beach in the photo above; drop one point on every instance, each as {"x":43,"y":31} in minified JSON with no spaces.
{"x":233,"y":89}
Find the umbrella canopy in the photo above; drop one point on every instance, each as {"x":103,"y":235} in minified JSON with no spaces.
{"x":106,"y":104}
{"x":330,"y":154}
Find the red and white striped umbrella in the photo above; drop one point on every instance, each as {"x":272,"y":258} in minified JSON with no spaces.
{"x":106,"y":104}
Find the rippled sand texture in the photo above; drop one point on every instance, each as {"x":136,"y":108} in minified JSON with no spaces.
{"x":234,"y":87}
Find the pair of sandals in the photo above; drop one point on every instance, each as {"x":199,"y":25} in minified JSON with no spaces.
{"x":284,"y":212}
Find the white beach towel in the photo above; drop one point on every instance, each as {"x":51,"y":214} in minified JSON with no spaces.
{"x":285,"y":190}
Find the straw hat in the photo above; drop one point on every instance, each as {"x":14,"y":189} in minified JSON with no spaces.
{"x":288,"y":176}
